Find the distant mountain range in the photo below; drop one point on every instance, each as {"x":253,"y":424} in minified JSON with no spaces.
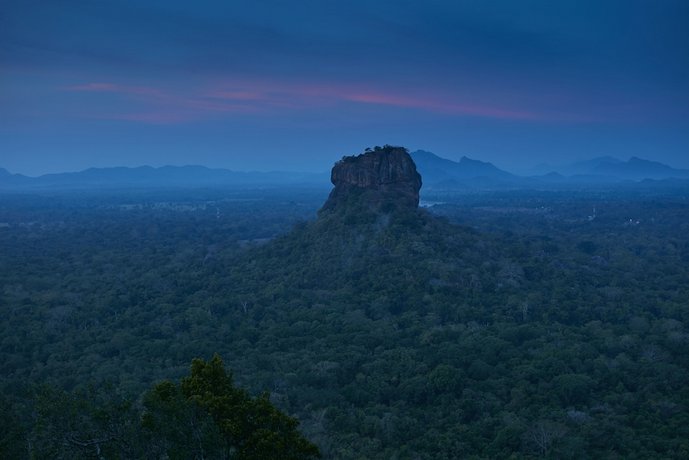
{"x":437,"y":174}
{"x":150,"y":177}
{"x":633,"y":169}
{"x":613,"y":168}
{"x":442,"y":174}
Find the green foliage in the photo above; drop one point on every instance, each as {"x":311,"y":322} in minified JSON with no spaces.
{"x":12,"y":435}
{"x":204,"y":417}
{"x":588,"y":247}
{"x":174,"y":427}
{"x":94,"y":423}
{"x":252,"y":428}
{"x":389,"y":335}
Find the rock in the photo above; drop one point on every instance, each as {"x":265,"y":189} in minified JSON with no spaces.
{"x":382,"y":178}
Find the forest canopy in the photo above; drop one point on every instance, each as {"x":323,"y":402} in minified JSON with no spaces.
{"x":503,"y":324}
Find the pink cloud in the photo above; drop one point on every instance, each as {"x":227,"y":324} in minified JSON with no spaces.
{"x":157,"y":105}
{"x":238,"y":95}
{"x":440,"y":106}
{"x":154,"y":118}
{"x":92,"y":87}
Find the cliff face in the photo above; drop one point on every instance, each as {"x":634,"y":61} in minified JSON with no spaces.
{"x":384,"y":176}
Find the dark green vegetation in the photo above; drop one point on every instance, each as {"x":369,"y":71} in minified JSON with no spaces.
{"x":513,"y":325}
{"x":205,"y":416}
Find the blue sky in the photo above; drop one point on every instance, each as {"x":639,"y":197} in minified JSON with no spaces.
{"x":294,"y":85}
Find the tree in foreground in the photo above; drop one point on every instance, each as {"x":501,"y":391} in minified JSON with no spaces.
{"x":206,"y":416}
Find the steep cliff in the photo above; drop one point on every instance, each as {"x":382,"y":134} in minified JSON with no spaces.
{"x":380,"y":178}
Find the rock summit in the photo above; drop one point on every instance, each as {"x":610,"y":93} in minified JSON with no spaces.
{"x":382,"y":177}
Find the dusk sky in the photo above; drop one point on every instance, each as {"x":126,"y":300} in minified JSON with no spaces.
{"x":295,"y":85}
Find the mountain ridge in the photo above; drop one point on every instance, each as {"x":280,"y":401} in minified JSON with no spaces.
{"x":468,"y":174}
{"x":163,"y":176}
{"x":439,"y":174}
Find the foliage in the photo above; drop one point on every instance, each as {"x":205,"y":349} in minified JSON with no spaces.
{"x":85,"y":424}
{"x":514,"y":326}
{"x":243,"y":427}
{"x":204,"y":417}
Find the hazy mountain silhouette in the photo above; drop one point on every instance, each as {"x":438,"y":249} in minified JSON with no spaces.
{"x":439,"y":173}
{"x":166,"y":176}
{"x":468,"y":174}
{"x":638,"y":168}
{"x":615,"y":169}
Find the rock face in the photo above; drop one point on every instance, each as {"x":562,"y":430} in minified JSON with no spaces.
{"x":382,"y":177}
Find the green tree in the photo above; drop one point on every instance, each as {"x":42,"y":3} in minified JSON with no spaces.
{"x":246,"y":428}
{"x":175,"y":428}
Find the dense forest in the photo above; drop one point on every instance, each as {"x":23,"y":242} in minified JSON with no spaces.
{"x":494,"y":325}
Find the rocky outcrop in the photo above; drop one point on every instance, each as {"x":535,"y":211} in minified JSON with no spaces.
{"x":380,"y":177}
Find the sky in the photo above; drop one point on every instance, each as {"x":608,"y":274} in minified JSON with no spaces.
{"x":295,"y":85}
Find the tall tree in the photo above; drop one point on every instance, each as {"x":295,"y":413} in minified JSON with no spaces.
{"x":243,"y":427}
